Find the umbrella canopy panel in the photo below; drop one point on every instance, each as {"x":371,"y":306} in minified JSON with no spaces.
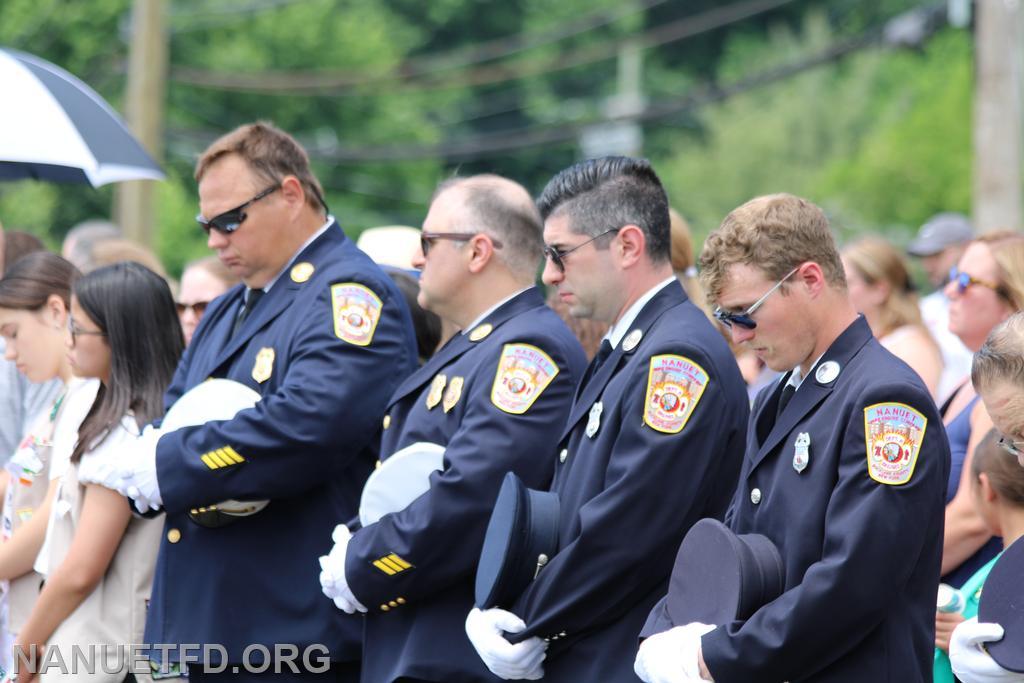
{"x":55,"y":127}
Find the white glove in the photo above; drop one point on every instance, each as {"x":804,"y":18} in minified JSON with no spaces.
{"x":671,"y":656}
{"x":486,"y":631}
{"x":138,"y":472}
{"x":332,"y":573}
{"x":970,"y":662}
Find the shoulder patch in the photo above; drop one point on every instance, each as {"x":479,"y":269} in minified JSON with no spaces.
{"x":674,"y":387}
{"x":524,"y":372}
{"x":893,"y":433}
{"x":356,"y":312}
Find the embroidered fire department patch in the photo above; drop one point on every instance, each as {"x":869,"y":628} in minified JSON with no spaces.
{"x":674,"y":387}
{"x":356,"y":312}
{"x":893,"y":433}
{"x":524,"y":372}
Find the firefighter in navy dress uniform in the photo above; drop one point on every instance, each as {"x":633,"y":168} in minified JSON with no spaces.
{"x":494,"y":397}
{"x":325,"y":338}
{"x":653,"y":442}
{"x":845,"y":471}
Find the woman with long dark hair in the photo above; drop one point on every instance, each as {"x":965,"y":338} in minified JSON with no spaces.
{"x":124,"y":332}
{"x":35,"y":295}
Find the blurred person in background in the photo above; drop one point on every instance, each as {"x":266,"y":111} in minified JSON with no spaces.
{"x":35,"y":297}
{"x":20,"y":400}
{"x":99,"y":558}
{"x":938,"y":246}
{"x":202,"y":281}
{"x":83,"y":237}
{"x":986,"y":287}
{"x":997,"y":488}
{"x":18,"y":244}
{"x":880,"y":288}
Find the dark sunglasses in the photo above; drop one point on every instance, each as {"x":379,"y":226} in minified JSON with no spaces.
{"x":231,"y":220}
{"x":558,"y":256}
{"x":744,"y":319}
{"x":963,"y":281}
{"x":427,"y":239}
{"x":198,"y":307}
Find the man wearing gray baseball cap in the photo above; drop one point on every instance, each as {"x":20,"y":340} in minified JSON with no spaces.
{"x":939,"y":244}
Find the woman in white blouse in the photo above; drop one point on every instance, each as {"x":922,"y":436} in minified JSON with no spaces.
{"x":124,"y":331}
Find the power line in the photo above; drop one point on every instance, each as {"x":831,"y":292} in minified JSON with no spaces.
{"x":405,"y":78}
{"x":480,"y":146}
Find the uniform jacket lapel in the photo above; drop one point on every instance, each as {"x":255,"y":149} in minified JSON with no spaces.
{"x":461,"y":343}
{"x":811,"y":392}
{"x":670,"y":296}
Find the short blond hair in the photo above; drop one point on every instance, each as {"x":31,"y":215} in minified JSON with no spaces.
{"x":877,"y":261}
{"x":1001,"y":358}
{"x":774,"y":233}
{"x":271,"y":153}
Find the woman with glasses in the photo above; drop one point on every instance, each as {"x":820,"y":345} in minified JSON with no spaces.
{"x":100,"y":559}
{"x":985,"y":288}
{"x":35,"y":296}
{"x":997,"y":490}
{"x":201,"y":282}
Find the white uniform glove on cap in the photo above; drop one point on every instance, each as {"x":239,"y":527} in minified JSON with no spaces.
{"x":970,"y":662}
{"x":332,"y":573}
{"x":133,"y":472}
{"x":672,"y":656}
{"x":505,"y":660}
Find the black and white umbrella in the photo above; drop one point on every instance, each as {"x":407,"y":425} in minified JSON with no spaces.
{"x":55,"y":127}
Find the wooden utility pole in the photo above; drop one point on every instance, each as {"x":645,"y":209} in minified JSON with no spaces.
{"x":134,"y":201}
{"x":997,"y":116}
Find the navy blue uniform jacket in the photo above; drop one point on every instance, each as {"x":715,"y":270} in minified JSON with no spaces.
{"x":629,"y":492}
{"x":308,"y":446}
{"x":415,"y":626}
{"x":861,"y":557}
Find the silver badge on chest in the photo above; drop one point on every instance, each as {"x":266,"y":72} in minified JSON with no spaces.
{"x":802,"y":452}
{"x":594,"y":419}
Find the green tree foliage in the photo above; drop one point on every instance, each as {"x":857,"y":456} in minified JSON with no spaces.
{"x":419,"y":90}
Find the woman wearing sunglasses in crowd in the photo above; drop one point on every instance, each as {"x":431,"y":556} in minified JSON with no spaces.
{"x":985,"y":288}
{"x":35,"y":295}
{"x":201,"y":282}
{"x":100,"y":559}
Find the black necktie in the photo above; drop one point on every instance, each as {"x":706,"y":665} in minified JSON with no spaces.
{"x":787,"y":395}
{"x":253,"y":297}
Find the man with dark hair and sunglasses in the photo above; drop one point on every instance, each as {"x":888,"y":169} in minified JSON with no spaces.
{"x":494,"y":398}
{"x":325,"y":337}
{"x":652,"y":444}
{"x":845,"y":471}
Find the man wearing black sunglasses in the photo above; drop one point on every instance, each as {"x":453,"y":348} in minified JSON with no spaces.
{"x":493,"y":398}
{"x":324,"y":336}
{"x":845,"y":471}
{"x":652,"y":443}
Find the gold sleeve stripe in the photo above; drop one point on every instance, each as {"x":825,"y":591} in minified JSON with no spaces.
{"x":395,"y":567}
{"x":384,"y":568}
{"x":209,"y":461}
{"x":399,"y":561}
{"x":221,"y":462}
{"x":234,"y":454}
